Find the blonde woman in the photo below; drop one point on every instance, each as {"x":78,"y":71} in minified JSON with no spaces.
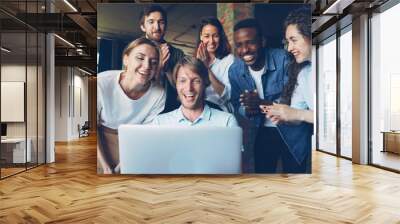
{"x":129,"y":96}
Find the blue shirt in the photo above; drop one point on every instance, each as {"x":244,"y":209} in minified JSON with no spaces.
{"x":273,"y":80}
{"x":303,"y":94}
{"x":209,"y":117}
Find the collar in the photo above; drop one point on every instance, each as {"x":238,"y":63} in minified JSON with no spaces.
{"x":205,"y":115}
{"x":269,"y":60}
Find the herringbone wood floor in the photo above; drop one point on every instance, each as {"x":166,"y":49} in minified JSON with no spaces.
{"x":70,"y":191}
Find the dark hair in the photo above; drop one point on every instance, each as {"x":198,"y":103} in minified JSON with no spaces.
{"x":249,"y":23}
{"x":224,"y":47}
{"x":302,"y":19}
{"x":152,"y":8}
{"x":196,"y":65}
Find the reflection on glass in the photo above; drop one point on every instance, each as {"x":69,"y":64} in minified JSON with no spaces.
{"x":346,"y":94}
{"x":385,"y":86}
{"x":13,"y":84}
{"x":31,"y":101}
{"x":41,"y":98}
{"x":327,"y":96}
{"x":23,"y":85}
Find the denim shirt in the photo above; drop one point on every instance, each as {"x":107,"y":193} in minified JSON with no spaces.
{"x":273,"y":80}
{"x":296,"y":137}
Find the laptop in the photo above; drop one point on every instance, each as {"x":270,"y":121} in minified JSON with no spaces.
{"x":147,"y":149}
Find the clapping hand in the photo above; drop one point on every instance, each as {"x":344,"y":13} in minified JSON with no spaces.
{"x":165,"y":54}
{"x":251,"y":102}
{"x":203,"y":55}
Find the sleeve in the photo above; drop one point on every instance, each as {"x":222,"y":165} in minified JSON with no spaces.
{"x":235,"y":93}
{"x":232,"y":121}
{"x":176,"y":55}
{"x":227,"y":90}
{"x":157,"y":108}
{"x":310,"y":90}
{"x":155,"y":121}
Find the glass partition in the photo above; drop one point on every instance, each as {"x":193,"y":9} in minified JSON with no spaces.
{"x":346,"y":92}
{"x":385,"y":89}
{"x":22,"y":88}
{"x":327,"y":95}
{"x":31,"y":98}
{"x":13,"y":95}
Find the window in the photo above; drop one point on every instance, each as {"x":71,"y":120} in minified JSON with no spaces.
{"x":385,"y":87}
{"x":346,"y":92}
{"x":327,"y":96}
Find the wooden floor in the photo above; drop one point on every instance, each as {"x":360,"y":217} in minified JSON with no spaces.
{"x":70,"y":191}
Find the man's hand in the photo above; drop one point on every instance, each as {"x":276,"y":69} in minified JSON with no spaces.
{"x":165,"y":54}
{"x":251,"y":102}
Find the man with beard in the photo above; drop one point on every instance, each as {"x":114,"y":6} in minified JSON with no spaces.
{"x":191,"y":78}
{"x":258,"y":77}
{"x":153,"y":22}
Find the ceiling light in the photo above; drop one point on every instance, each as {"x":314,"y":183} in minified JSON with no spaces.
{"x":84,"y":71}
{"x":338,"y":6}
{"x":5,"y":50}
{"x":70,"y":5}
{"x":65,"y":41}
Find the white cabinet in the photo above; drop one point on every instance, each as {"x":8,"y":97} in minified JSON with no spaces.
{"x":15,"y":148}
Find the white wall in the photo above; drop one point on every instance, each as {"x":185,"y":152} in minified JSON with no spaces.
{"x":71,"y":87}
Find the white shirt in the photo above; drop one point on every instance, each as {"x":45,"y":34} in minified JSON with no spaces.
{"x":258,"y":81}
{"x":220,"y":68}
{"x":114,"y":107}
{"x":303,"y":94}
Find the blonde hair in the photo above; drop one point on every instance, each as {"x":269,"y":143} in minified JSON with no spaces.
{"x":142,"y":40}
{"x":195,"y":65}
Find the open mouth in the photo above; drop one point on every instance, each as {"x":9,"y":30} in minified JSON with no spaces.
{"x":189,"y":96}
{"x":248,"y":58}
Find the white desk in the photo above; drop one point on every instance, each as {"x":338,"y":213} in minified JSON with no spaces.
{"x":16,"y":147}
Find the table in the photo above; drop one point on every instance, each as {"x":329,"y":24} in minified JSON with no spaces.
{"x":391,"y":141}
{"x":13,"y":150}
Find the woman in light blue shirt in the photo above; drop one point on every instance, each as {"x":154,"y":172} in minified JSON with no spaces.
{"x":297,"y":101}
{"x":294,"y":114}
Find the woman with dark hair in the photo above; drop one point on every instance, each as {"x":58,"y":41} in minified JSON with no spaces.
{"x":296,"y":103}
{"x":294,"y":114}
{"x":214,"y":50}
